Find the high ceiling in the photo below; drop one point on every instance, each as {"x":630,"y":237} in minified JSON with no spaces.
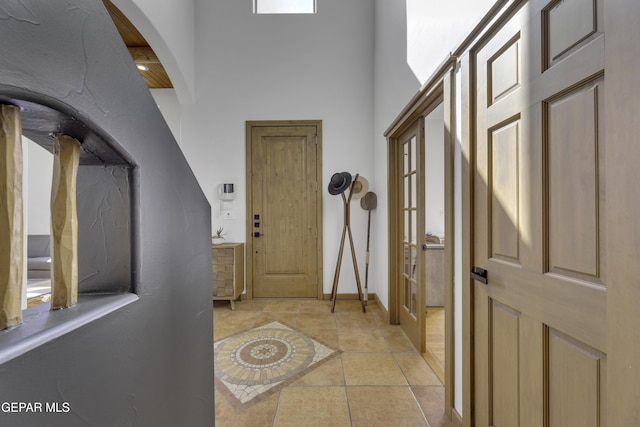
{"x":155,"y":76}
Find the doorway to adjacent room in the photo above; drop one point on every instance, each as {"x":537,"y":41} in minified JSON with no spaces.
{"x":421,"y":145}
{"x":434,"y":239}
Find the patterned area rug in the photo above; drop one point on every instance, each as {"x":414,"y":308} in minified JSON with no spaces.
{"x":252,"y":365}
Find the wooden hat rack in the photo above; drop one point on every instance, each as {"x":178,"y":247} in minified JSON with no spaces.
{"x":346,"y":231}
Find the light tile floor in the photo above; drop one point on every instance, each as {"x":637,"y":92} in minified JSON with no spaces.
{"x":378,"y":380}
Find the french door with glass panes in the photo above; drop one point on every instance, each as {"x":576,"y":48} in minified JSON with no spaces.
{"x":411,"y":205}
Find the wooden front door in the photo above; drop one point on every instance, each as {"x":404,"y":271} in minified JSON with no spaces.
{"x":538,"y":219}
{"x":284,"y":209}
{"x":411,"y":217}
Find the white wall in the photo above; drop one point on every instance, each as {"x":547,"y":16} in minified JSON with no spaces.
{"x":168,"y":27}
{"x":434,"y":28}
{"x":395,"y":85}
{"x":39,"y":170}
{"x":284,"y":67}
{"x":434,"y":172}
{"x":169,"y":105}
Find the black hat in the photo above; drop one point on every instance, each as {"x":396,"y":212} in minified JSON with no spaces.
{"x":339,"y":183}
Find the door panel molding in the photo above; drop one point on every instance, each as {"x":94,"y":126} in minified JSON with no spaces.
{"x":536,"y":194}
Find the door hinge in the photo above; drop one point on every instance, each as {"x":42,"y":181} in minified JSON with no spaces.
{"x":315,"y":138}
{"x":316,"y":186}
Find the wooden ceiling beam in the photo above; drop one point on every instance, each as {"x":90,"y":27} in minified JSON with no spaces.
{"x":143,"y":55}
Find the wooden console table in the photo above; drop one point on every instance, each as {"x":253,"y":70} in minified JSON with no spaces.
{"x":228,"y":271}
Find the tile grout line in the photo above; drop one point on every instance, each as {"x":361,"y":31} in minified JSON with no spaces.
{"x":344,"y":377}
{"x":409,"y":386}
{"x":275,"y":411}
{"x":415,"y":398}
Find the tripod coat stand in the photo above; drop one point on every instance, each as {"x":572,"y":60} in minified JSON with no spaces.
{"x":346,"y":229}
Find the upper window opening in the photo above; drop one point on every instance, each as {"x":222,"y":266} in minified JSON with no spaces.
{"x":284,"y":6}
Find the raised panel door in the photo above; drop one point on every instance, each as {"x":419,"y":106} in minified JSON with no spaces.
{"x":538,"y":218}
{"x":284,"y":199}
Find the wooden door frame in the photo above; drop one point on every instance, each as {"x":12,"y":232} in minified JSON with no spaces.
{"x":249,"y":125}
{"x":622,"y":210}
{"x":501,"y":11}
{"x":439,"y":89}
{"x":397,"y":203}
{"x":466,"y":181}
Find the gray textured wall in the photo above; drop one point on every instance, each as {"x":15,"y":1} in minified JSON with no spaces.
{"x":104,"y":235}
{"x":149,"y":363}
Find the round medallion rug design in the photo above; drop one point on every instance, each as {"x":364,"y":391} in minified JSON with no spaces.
{"x":255,"y":363}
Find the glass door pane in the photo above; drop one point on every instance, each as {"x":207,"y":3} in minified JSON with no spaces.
{"x":410,"y":226}
{"x":409,"y":201}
